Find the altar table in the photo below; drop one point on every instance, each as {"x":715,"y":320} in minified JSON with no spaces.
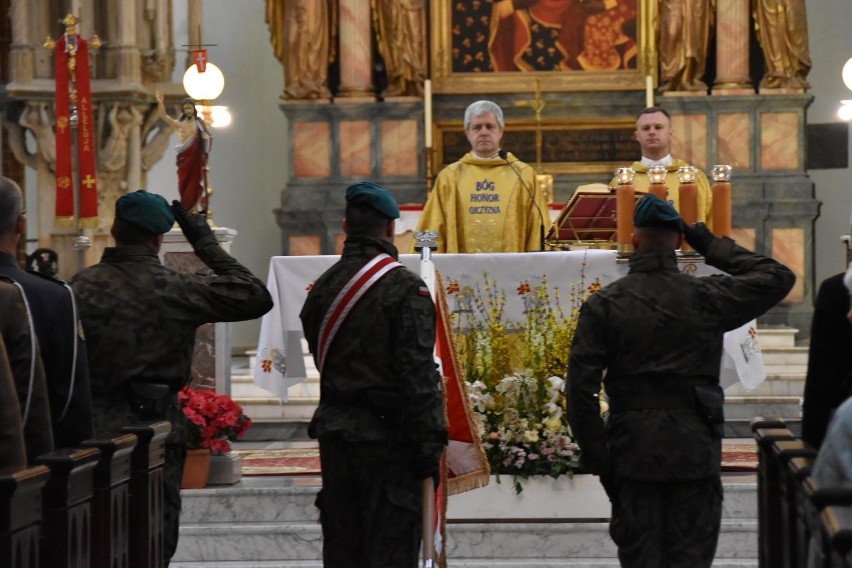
{"x":280,"y":363}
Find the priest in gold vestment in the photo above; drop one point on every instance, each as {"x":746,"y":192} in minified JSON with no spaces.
{"x":488,"y":200}
{"x":654,"y":135}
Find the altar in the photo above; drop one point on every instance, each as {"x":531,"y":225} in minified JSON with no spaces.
{"x":281,"y":365}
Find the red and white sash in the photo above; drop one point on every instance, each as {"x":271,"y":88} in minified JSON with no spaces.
{"x":346,"y":299}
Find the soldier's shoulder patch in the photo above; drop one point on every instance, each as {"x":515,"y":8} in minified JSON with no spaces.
{"x":423,"y":291}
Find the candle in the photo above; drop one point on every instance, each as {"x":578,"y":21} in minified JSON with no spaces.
{"x":649,"y":91}
{"x":625,"y":197}
{"x":721,"y":175}
{"x":427,"y":113}
{"x":657,"y":181}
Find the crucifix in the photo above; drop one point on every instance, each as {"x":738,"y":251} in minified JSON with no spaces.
{"x":537,"y":105}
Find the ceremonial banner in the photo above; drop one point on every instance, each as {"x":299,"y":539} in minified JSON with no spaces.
{"x":467,"y":466}
{"x":74,"y":56}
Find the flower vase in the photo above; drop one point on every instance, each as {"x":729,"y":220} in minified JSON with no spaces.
{"x":196,"y":468}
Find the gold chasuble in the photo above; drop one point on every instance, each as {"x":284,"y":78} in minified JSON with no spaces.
{"x":481,"y":205}
{"x":705,"y":195}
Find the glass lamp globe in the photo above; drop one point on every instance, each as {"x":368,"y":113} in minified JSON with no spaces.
{"x":847,"y":74}
{"x":657,"y":174}
{"x":686,"y":174}
{"x":721,"y":172}
{"x":203,"y":86}
{"x":624,"y":176}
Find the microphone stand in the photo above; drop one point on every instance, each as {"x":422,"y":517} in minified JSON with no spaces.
{"x":505,"y":156}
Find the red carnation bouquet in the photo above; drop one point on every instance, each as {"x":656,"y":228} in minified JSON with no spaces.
{"x":213,"y":419}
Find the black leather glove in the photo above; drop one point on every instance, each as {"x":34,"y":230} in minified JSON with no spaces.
{"x":426,"y":462}
{"x":699,"y":237}
{"x":194,"y":226}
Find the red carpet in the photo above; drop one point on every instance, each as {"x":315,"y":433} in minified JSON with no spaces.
{"x":305,"y":461}
{"x":739,"y":457}
{"x":291,"y":461}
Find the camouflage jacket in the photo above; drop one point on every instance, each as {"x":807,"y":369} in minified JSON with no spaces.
{"x":379,"y":381}
{"x":140,"y":317}
{"x":657,"y":332}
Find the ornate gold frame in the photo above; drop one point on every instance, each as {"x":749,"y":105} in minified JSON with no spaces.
{"x":446,"y":82}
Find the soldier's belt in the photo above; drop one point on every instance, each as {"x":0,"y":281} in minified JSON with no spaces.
{"x":681,"y":398}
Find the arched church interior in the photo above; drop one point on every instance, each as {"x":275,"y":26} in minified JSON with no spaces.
{"x":266,"y":181}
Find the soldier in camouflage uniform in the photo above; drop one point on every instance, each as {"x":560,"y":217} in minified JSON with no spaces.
{"x":380,"y":420}
{"x":657,"y":335}
{"x":140,"y":317}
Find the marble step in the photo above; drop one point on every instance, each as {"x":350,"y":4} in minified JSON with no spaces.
{"x":290,"y":499}
{"x":462,"y":563}
{"x":785,"y":360}
{"x":747,"y":407}
{"x":258,"y":541}
{"x":776,"y":337}
{"x":778,"y":384}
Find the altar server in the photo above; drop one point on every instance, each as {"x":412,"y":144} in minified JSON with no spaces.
{"x":488,"y":200}
{"x":656,"y":335}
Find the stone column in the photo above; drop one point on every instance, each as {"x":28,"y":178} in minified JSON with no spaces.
{"x":129,"y":61}
{"x":22,"y":49}
{"x":355,"y":51}
{"x":732,"y":43}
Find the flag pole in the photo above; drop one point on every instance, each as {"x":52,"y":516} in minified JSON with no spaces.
{"x":426,"y":241}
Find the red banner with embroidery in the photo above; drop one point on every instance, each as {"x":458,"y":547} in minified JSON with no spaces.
{"x":86,"y":140}
{"x":86,"y":162}
{"x":64,"y":185}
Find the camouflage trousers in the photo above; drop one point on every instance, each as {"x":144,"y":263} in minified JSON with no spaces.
{"x":670,"y":524}
{"x":370,"y":506}
{"x":112,"y":415}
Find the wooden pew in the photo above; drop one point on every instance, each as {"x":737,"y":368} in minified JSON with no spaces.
{"x":146,"y":493}
{"x":798,"y":470}
{"x":111,"y":501}
{"x":20,"y":515}
{"x":783,"y":452}
{"x":67,"y":507}
{"x":817,"y":497}
{"x":769,"y":498}
{"x":836,"y":529}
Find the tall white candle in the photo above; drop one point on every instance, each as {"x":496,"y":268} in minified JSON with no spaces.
{"x":649,"y":91}
{"x":427,"y":113}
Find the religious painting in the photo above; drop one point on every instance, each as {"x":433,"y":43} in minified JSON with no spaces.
{"x":493,"y":46}
{"x":562,"y":146}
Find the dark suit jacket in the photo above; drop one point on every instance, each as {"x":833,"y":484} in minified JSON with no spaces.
{"x":58,"y":332}
{"x":22,"y":350}
{"x":829,"y":377}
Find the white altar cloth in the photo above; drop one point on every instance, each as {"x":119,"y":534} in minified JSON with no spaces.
{"x":280,"y":363}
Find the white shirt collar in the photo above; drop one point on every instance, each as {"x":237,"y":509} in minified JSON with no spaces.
{"x":666,"y":161}
{"x":475,"y":155}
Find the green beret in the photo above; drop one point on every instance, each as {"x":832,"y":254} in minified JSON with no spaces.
{"x":375,"y":196}
{"x":651,"y":211}
{"x":147,"y":210}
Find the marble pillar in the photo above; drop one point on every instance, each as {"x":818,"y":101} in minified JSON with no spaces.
{"x":129,"y":61}
{"x":732,"y":43}
{"x":21,"y":56}
{"x":355,"y":52}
